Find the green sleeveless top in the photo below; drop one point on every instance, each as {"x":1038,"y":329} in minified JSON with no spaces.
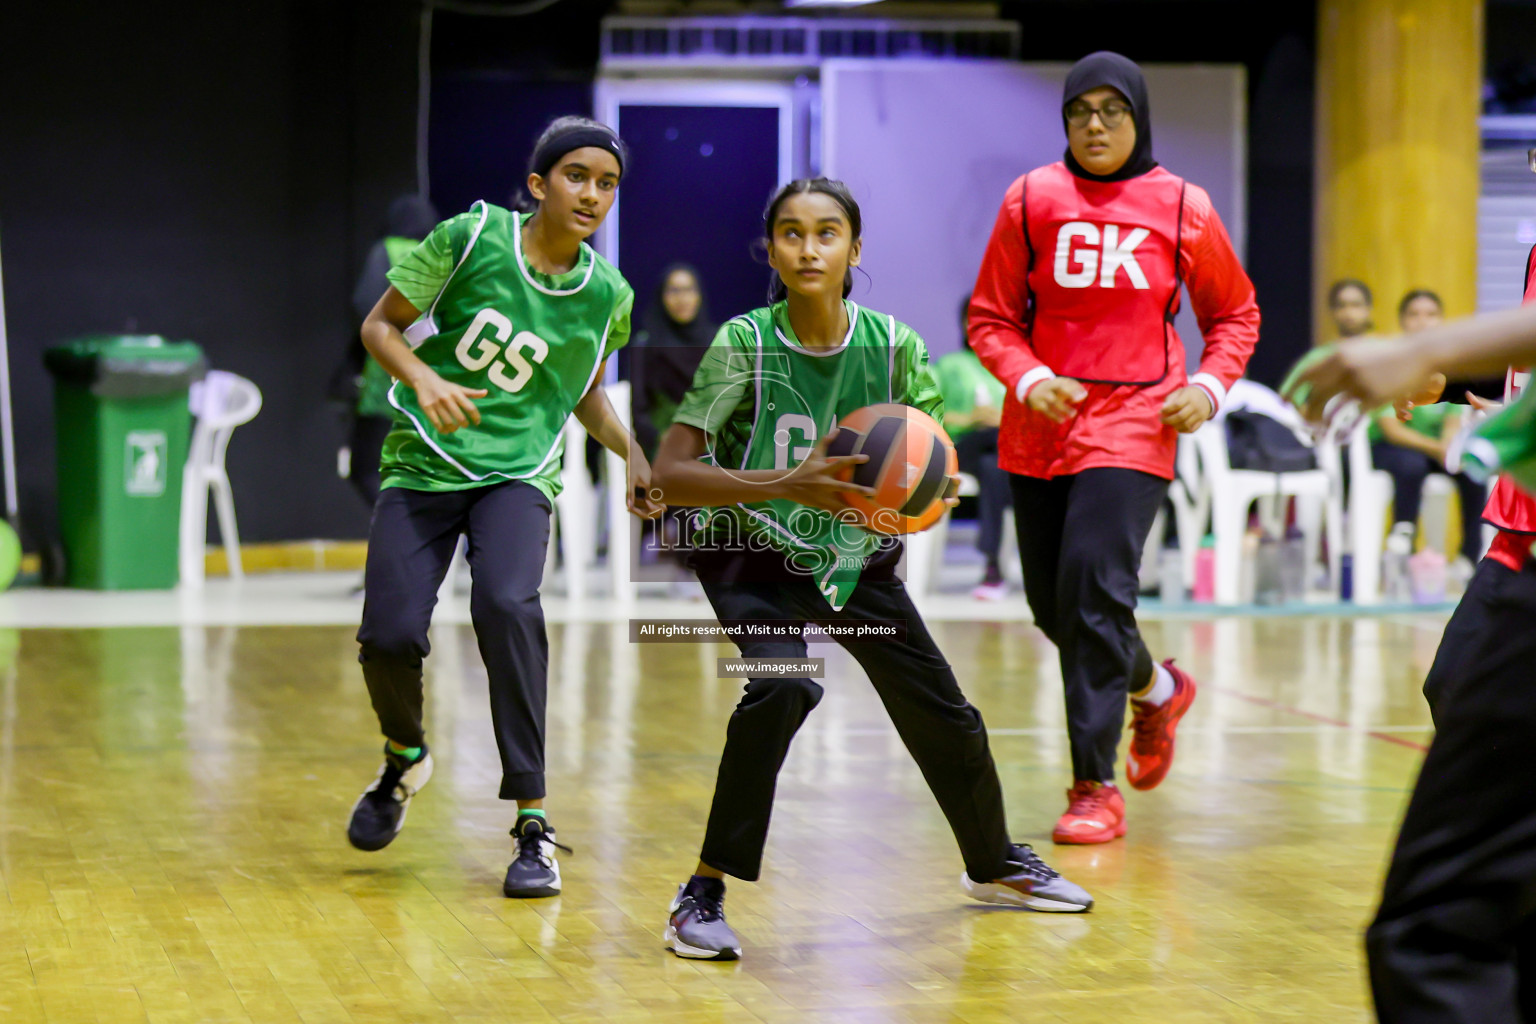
{"x":535,"y":342}
{"x":763,"y":401}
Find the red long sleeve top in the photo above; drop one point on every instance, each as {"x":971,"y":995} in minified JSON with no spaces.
{"x":1109,"y":328}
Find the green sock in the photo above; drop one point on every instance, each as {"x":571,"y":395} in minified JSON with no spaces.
{"x":409,"y":753}
{"x":537,"y":812}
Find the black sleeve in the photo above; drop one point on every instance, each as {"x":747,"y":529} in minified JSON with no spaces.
{"x":371,"y":282}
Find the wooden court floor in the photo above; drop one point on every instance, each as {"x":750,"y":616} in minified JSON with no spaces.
{"x":172,"y":806}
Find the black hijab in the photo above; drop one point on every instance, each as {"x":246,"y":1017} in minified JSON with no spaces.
{"x":669,"y":352}
{"x":411,"y":216}
{"x":1121,"y":73}
{"x":662,"y":331}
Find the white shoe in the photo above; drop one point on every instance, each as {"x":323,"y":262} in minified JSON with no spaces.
{"x":990,"y":591}
{"x":1032,"y":885}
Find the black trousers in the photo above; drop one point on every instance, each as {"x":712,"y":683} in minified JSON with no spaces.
{"x":1080,"y":543}
{"x":409,"y":549}
{"x":942,"y":731}
{"x":1455,"y":935}
{"x":977,"y":455}
{"x":365,"y":440}
{"x":1409,"y":469}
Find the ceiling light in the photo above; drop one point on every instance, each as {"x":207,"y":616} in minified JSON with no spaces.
{"x":828,"y":3}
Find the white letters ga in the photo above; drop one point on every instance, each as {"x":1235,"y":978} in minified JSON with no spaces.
{"x":476,"y":352}
{"x":1102,"y":256}
{"x":785,"y":450}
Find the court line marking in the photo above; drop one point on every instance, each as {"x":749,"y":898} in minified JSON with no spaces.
{"x":1205,"y":731}
{"x":1265,"y":702}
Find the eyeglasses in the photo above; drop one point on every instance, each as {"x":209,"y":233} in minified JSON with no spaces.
{"x":1111,"y":114}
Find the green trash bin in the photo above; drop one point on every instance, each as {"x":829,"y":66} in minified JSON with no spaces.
{"x":123,"y":426}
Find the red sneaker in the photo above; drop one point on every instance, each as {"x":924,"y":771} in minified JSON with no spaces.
{"x":1151,"y":751}
{"x":1096,"y":814}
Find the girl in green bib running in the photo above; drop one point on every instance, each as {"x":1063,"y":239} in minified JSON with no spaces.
{"x":496,"y":328}
{"x":748,"y":446}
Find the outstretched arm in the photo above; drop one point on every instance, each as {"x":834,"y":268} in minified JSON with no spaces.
{"x":684,"y":479}
{"x":1377,"y":372}
{"x":600,"y":419}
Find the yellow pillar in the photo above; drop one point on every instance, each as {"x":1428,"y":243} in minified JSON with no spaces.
{"x":1398,"y":97}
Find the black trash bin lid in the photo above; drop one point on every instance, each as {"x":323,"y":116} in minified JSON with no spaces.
{"x":127,"y":365}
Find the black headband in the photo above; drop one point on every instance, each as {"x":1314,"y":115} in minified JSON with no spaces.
{"x":550,"y":150}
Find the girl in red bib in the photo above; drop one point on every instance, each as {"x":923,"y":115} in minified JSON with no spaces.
{"x":1073,"y":311}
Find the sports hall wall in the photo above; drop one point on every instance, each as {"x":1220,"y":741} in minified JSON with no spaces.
{"x":206,"y":171}
{"x":217,"y":172}
{"x":929,"y":209}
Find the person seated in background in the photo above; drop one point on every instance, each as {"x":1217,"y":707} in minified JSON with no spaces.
{"x":1412,"y":450}
{"x":973,"y":407}
{"x":1350,"y":301}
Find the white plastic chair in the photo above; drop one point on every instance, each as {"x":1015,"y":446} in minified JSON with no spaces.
{"x":924,"y":552}
{"x":621,"y":525}
{"x":1370,"y":496}
{"x":1190,"y":496}
{"x":1371,"y":491}
{"x":575,"y":512}
{"x":1330,"y":459}
{"x":1232,"y":494}
{"x":221,"y":401}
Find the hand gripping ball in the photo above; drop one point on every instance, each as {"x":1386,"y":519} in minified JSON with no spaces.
{"x":911,"y":459}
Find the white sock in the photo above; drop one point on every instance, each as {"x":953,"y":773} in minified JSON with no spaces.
{"x":1162,"y":688}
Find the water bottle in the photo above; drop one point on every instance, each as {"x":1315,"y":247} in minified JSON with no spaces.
{"x":1248,"y":568}
{"x":1266,"y":570}
{"x":1205,"y":570}
{"x":1170,"y":577}
{"x":1427,"y":569}
{"x":1293,"y":566}
{"x":1396,"y":586}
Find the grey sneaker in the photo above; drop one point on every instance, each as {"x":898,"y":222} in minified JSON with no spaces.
{"x":696,"y":926}
{"x":534,"y":872}
{"x":379,"y":814}
{"x":1032,"y":884}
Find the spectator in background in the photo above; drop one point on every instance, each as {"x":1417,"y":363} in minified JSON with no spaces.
{"x":1350,"y":303}
{"x":973,"y":407}
{"x":674,"y":336}
{"x":1412,"y":450}
{"x":411,"y":218}
{"x":676,"y":331}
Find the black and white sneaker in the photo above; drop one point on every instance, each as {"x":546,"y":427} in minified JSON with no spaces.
{"x":534,"y":872}
{"x":379,"y":813}
{"x":1031,"y":883}
{"x":696,"y":926}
